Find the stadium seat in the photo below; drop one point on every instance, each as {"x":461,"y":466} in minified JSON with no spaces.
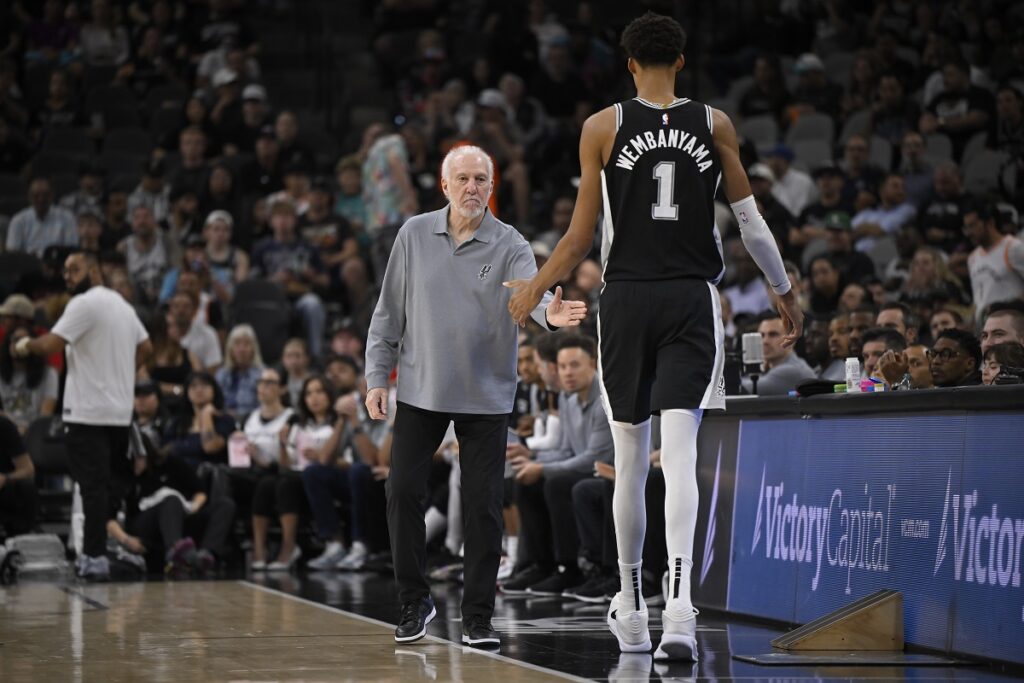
{"x":727,"y":105}
{"x":11,"y":205}
{"x":37,"y":84}
{"x":974,"y":145}
{"x":263,"y":304}
{"x":12,"y":186}
{"x":982,"y":174}
{"x":123,"y":163}
{"x":14,"y":265}
{"x":938,"y":147}
{"x":44,"y":441}
{"x":761,"y":130}
{"x":738,"y":87}
{"x":164,"y":122}
{"x":169,"y":96}
{"x":71,"y":142}
{"x":880,"y":153}
{"x":838,"y":66}
{"x":857,"y":123}
{"x":102,"y":96}
{"x":811,"y":153}
{"x":811,"y":126}
{"x":130,"y":140}
{"x":63,"y":182}
{"x":52,"y":163}
{"x":120,"y":116}
{"x":95,"y":76}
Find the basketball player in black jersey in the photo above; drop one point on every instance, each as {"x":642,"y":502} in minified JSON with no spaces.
{"x":652,"y":165}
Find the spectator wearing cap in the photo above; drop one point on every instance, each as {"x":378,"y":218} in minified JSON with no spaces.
{"x":149,"y":253}
{"x":941,"y":220}
{"x":152,"y":191}
{"x":28,"y":386}
{"x":955,"y":359}
{"x":916,"y":169}
{"x":295,"y":264}
{"x":783,"y":369}
{"x":793,"y":188}
{"x":328,"y":232}
{"x":779,"y":219}
{"x":197,"y":336}
{"x":814,"y":92}
{"x":960,"y":109}
{"x":149,"y":66}
{"x":286,"y":128}
{"x":262,"y":175}
{"x":884,"y":220}
{"x":42,"y":224}
{"x":839,"y":236}
{"x":243,"y":364}
{"x":227,"y":98}
{"x":220,"y":56}
{"x":997,"y":263}
{"x":296,"y":187}
{"x":89,"y":194}
{"x":348,"y":201}
{"x":227,"y":263}
{"x":829,"y":179}
{"x":240,"y":135}
{"x":862,"y":177}
{"x":495,"y":130}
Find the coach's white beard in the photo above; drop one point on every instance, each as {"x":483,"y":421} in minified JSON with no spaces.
{"x":471,"y":213}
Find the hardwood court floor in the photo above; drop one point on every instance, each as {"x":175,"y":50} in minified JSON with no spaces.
{"x":215,"y":631}
{"x":336,"y":627}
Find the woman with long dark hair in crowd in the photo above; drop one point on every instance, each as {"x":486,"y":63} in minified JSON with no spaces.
{"x":28,"y":386}
{"x":200,"y":435}
{"x":170,"y":364}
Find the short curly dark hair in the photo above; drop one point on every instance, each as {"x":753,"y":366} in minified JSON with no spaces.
{"x":654,"y":40}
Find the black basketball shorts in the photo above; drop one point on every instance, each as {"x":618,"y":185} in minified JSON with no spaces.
{"x":661,"y":347}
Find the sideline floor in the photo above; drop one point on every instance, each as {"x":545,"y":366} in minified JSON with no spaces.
{"x":335,"y":627}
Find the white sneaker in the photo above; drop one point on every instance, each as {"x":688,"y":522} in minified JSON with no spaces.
{"x":333,"y":554}
{"x":679,"y":634}
{"x":629,"y":626}
{"x":258,"y":565}
{"x":277,"y":566}
{"x":355,"y":560}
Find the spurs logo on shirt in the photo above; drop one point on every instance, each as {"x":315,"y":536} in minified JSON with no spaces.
{"x":485,"y":271}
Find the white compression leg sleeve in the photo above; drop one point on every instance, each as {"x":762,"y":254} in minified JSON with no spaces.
{"x":632,"y":461}
{"x":679,"y":463}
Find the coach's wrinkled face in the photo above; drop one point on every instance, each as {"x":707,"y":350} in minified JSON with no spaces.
{"x":468,"y":184}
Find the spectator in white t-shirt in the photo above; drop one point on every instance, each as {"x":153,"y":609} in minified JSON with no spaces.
{"x":997,"y":262}
{"x":105,"y":342}
{"x":200,"y":338}
{"x":793,"y":188}
{"x":42,"y":224}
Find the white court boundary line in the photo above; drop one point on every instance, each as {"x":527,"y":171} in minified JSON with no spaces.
{"x":433,"y":639}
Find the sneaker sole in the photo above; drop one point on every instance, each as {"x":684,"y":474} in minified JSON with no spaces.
{"x":545,"y":594}
{"x":624,"y":646}
{"x":480,"y":642}
{"x":423,"y":632}
{"x":591,"y":599}
{"x":677,"y":646}
{"x":515,"y":591}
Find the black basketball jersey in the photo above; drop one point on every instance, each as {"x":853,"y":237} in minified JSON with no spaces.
{"x":659,"y":186}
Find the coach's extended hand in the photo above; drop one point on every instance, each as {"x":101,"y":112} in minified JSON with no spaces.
{"x":559,"y":313}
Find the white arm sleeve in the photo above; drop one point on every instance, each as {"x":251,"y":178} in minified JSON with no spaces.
{"x":758,"y":240}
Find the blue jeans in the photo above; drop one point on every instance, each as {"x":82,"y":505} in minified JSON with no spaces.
{"x":327,"y":484}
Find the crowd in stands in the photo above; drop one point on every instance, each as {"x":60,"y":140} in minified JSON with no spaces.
{"x":883,"y":142}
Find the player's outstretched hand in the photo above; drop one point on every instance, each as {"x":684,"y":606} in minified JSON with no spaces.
{"x":523,"y":300}
{"x":562,"y":313}
{"x":792,"y":318}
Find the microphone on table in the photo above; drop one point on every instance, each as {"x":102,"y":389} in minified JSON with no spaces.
{"x":753,"y":357}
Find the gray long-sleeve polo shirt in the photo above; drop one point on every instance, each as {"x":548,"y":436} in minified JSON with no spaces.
{"x":586,"y":435}
{"x":443,"y":316}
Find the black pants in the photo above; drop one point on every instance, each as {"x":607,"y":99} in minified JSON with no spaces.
{"x":592,"y":502}
{"x":547,"y":517}
{"x":160,"y":527}
{"x":19,"y":504}
{"x":279,"y":494}
{"x":98,"y":460}
{"x":416,"y":437}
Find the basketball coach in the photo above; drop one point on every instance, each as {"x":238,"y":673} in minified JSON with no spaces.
{"x":441,"y":317}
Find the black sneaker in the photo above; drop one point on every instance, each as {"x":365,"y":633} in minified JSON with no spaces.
{"x":556,"y":584}
{"x":415,"y":617}
{"x":520,"y":581}
{"x":478,"y":632}
{"x":593,"y":590}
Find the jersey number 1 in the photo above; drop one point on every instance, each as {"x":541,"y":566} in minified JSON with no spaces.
{"x":664,"y":209}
